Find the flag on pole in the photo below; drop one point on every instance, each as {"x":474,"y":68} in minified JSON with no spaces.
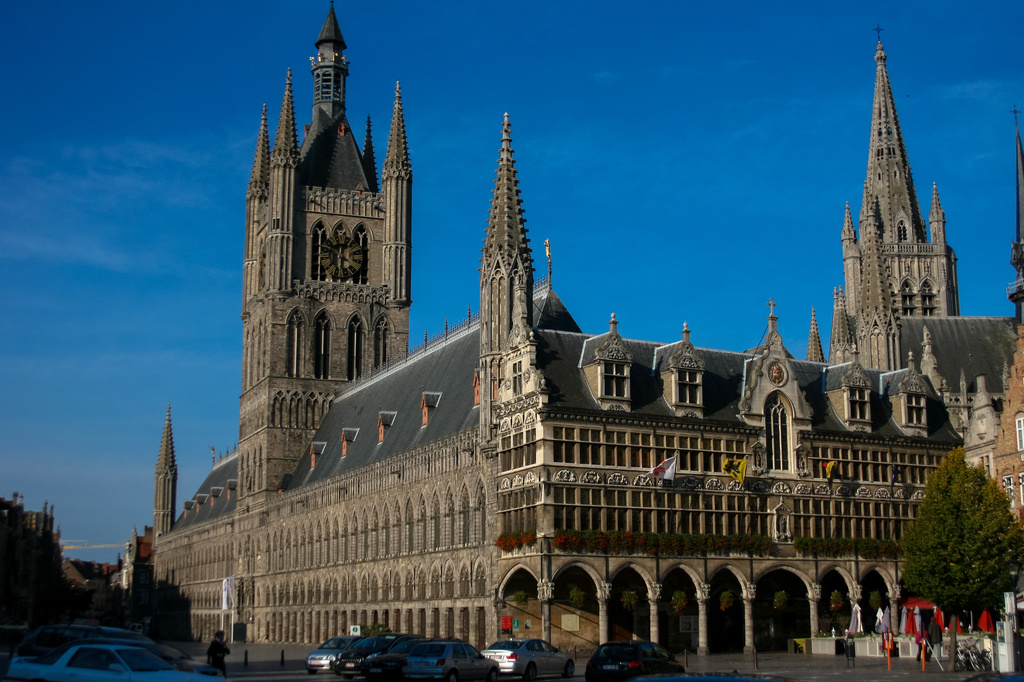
{"x":737,"y":468}
{"x":830,"y":470}
{"x":665,"y":471}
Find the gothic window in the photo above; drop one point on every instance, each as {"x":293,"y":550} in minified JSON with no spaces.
{"x":322,"y":347}
{"x":901,"y":231}
{"x":777,"y":433}
{"x":499,"y":318}
{"x":1019,"y":422}
{"x":294,"y":345}
{"x":517,"y":377}
{"x":355,"y":349}
{"x":381,"y":331}
{"x":915,"y":409}
{"x":360,"y":237}
{"x":688,"y":387}
{"x":907,"y":300}
{"x":316,"y":269}
{"x":857,"y":405}
{"x":927,"y":300}
{"x":615,"y":380}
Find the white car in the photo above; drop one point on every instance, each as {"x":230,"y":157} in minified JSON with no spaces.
{"x":98,"y":661}
{"x":529,"y":658}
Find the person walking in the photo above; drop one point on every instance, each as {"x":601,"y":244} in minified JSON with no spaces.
{"x":217,"y":651}
{"x":935,"y":638}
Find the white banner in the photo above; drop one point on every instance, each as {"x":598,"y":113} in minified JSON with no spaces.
{"x":227,"y":593}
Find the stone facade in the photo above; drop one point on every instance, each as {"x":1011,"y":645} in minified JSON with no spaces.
{"x":499,"y":479}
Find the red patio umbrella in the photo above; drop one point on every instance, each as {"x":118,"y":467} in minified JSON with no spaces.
{"x":938,"y":618}
{"x":911,"y":625}
{"x":985,"y":622}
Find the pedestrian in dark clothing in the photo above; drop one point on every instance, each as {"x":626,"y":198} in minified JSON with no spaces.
{"x":935,"y":637}
{"x":217,"y":651}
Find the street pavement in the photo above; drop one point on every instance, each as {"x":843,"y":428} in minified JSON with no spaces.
{"x":272,"y":662}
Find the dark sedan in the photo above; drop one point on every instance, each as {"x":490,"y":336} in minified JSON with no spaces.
{"x":388,"y":665}
{"x":615,"y":661}
{"x":350,"y":661}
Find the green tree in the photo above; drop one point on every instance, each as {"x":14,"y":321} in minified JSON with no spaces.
{"x":958,"y":551}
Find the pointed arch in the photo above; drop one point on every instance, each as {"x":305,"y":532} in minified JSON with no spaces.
{"x":361,"y":236}
{"x":294,"y":335}
{"x":356,"y":336}
{"x":778,"y":428}
{"x":381,"y":336}
{"x":322,"y":346}
{"x":318,"y":236}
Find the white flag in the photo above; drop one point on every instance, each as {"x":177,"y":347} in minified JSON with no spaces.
{"x":665,"y":471}
{"x":227,"y":599}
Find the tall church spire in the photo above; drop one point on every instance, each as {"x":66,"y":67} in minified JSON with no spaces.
{"x":888,"y":181}
{"x":166,"y":483}
{"x":1016,"y":290}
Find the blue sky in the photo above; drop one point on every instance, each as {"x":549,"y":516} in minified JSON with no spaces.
{"x":687,"y":161}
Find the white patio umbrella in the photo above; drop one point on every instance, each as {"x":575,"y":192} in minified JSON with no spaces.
{"x":903,"y":621}
{"x":855,"y":621}
{"x":882,"y":621}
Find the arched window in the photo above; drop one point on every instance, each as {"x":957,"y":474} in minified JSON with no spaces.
{"x":777,"y":418}
{"x":381,"y":331}
{"x":359,"y":237}
{"x":316,"y":269}
{"x":901,"y":231}
{"x":907,"y":306}
{"x":355,"y":349}
{"x":927,"y":300}
{"x":294,"y":345}
{"x":322,"y":347}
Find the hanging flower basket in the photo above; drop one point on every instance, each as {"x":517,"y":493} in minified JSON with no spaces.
{"x":629,"y":599}
{"x":836,"y":601}
{"x":780,"y":600}
{"x":520,"y":598}
{"x":875,"y":600}
{"x":577,"y":597}
{"x":679,"y":600}
{"x":726,"y":600}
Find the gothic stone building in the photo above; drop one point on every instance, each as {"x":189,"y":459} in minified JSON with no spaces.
{"x":497,"y":479}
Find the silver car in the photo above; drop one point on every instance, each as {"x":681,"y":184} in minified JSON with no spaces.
{"x":448,"y":660}
{"x":529,"y":658}
{"x":322,"y":658}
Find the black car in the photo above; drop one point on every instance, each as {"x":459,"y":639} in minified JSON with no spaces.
{"x":388,"y":665}
{"x":350,"y":661}
{"x":614,"y":661}
{"x":48,"y":637}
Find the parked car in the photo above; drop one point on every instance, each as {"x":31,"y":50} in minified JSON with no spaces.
{"x":450,"y":661}
{"x":614,"y":661}
{"x":323,"y":657}
{"x":45,"y":638}
{"x":173,"y":655}
{"x":98,"y":661}
{"x":529,"y":658}
{"x":388,"y":665}
{"x":350,"y":661}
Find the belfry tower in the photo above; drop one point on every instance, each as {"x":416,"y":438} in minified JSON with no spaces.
{"x":895,"y":265}
{"x":326,"y":286}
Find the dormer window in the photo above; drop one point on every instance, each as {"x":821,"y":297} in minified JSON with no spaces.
{"x":615,"y":380}
{"x":857,"y":404}
{"x":428,"y":402}
{"x":347,"y":436}
{"x":476,"y":388}
{"x":915,"y":409}
{"x":688,"y":387}
{"x":384,"y":422}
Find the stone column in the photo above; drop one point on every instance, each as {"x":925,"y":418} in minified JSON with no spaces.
{"x":813,"y":597}
{"x":545,"y":592}
{"x":894,"y":615}
{"x":703,"y":594}
{"x":604,"y":591}
{"x":654,"y":597}
{"x":749,"y":592}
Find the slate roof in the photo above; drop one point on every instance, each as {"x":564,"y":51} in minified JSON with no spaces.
{"x":223,"y":475}
{"x":978,"y":345}
{"x":329,"y":159}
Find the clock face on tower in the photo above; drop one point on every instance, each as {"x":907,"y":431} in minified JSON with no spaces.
{"x":341,"y":256}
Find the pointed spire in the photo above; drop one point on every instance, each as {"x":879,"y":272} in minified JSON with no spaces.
{"x":331,"y":32}
{"x":369,"y":162}
{"x":396,"y":162}
{"x":286,"y":144}
{"x":814,"y":350}
{"x":839,"y":347}
{"x":506,"y":230}
{"x":166,"y":456}
{"x":874,"y":283}
{"x":261,"y":164}
{"x":848,"y":233}
{"x":936,"y":212}
{"x":888,"y":181}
